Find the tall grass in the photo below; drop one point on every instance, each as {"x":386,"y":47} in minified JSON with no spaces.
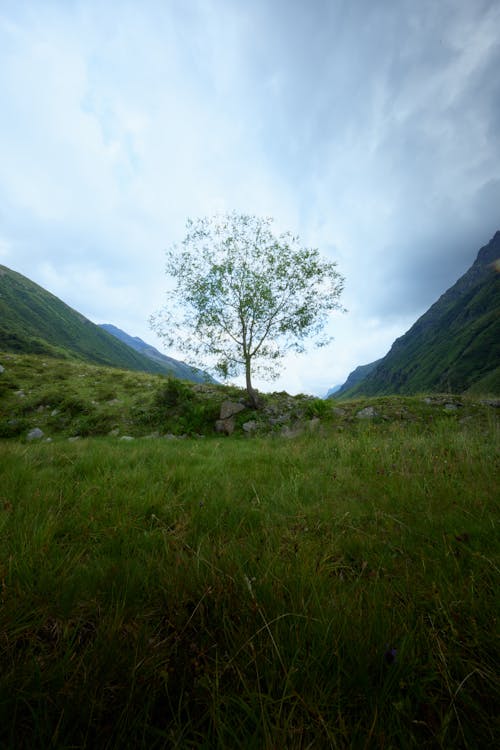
{"x":333,"y":591}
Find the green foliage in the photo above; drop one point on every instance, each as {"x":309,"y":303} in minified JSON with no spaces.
{"x":335,"y":591}
{"x":245,"y":297}
{"x":318,"y":407}
{"x":173,"y":393}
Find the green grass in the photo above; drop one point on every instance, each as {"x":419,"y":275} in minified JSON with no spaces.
{"x":226,"y":593}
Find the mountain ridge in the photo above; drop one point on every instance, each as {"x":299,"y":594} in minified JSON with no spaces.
{"x":33,"y":320}
{"x":453,"y":346}
{"x":179,"y":369}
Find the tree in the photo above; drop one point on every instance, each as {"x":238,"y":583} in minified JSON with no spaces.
{"x":243,"y":297}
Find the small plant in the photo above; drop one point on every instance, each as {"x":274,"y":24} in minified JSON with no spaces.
{"x":173,"y":393}
{"x":318,"y":407}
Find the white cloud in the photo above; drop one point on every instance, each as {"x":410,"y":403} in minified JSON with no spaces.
{"x":372,"y":131}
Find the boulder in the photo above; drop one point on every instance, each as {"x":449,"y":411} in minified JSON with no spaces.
{"x":225,"y":426}
{"x":35,"y":434}
{"x":229,"y":409}
{"x":367,"y":413}
{"x":250,"y":426}
{"x":2,"y":369}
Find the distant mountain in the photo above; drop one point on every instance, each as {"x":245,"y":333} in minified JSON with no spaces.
{"x":355,"y":377}
{"x":178,"y":369}
{"x":454,"y":346}
{"x":32,"y":320}
{"x":332,"y":390}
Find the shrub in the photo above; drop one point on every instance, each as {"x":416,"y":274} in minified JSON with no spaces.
{"x":173,"y":393}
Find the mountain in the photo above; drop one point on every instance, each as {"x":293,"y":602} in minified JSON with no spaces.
{"x":178,"y":369}
{"x":454,"y":346}
{"x":32,"y":320}
{"x":355,"y":377}
{"x":332,"y":390}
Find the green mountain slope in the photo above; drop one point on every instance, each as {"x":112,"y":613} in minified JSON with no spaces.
{"x":178,"y":369}
{"x":454,"y":346}
{"x":34,"y":321}
{"x":354,"y":377}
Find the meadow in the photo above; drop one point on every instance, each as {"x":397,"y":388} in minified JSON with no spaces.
{"x":334,"y":590}
{"x":328,"y":581}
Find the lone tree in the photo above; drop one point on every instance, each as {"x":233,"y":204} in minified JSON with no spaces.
{"x":244,"y":297}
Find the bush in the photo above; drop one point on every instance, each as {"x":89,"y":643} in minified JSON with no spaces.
{"x":318,"y":407}
{"x":173,"y":393}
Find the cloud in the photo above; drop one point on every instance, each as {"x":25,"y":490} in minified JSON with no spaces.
{"x":371,"y":129}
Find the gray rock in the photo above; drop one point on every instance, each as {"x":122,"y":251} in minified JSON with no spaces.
{"x":73,"y":439}
{"x":291,"y":432}
{"x":495,"y":402}
{"x":114,"y":433}
{"x":250,"y":426}
{"x":20,"y":394}
{"x":339,"y":412}
{"x":229,"y":409}
{"x":128,"y":438}
{"x":54,"y":412}
{"x":225,"y":426}
{"x":451,"y":407}
{"x":367,"y":413}
{"x":313,"y":424}
{"x":282,"y":419}
{"x":35,"y":434}
{"x":2,"y":369}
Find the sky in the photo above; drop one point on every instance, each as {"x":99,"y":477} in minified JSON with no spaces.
{"x":369,"y":128}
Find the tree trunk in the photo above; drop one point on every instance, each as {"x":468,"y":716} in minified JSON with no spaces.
{"x":252,"y":394}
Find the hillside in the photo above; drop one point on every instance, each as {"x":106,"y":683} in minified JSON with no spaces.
{"x":454,"y":346}
{"x":34,"y":321}
{"x":178,"y":369}
{"x":355,"y":377}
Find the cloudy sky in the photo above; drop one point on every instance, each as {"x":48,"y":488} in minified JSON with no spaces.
{"x":371,"y":128}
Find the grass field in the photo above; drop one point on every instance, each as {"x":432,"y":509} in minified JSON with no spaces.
{"x":336,"y":590}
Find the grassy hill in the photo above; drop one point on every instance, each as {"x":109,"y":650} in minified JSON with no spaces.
{"x":333,"y":586}
{"x":454,"y":346}
{"x":34,"y":321}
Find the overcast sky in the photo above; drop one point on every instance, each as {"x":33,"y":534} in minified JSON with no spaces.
{"x":371,"y":128}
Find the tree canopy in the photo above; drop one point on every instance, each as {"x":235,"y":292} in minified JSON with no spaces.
{"x":244,"y":297}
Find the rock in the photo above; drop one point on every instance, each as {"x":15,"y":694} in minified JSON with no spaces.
{"x":35,"y":434}
{"x":451,"y":407}
{"x":339,"y":412}
{"x":367,"y":413}
{"x":73,"y":439}
{"x":282,"y":419}
{"x":291,"y":432}
{"x":225,"y":426}
{"x":313,"y":424}
{"x":54,"y":412}
{"x":127,"y":437}
{"x":2,"y":369}
{"x":114,"y":433}
{"x":250,"y":426}
{"x":20,"y":394}
{"x":230,"y":408}
{"x":495,"y":402}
